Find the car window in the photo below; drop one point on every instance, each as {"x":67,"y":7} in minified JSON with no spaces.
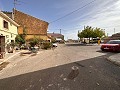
{"x":113,"y":42}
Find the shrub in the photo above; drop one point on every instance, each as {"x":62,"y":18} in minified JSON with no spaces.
{"x":46,"y":45}
{"x":19,"y":39}
{"x":33,"y":42}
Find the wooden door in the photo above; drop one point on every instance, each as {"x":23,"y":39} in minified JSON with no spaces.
{"x":2,"y":43}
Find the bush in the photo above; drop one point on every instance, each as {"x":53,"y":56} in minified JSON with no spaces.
{"x":19,"y":39}
{"x":33,"y":42}
{"x":46,"y":45}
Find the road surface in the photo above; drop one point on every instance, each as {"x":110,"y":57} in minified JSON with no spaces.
{"x":68,"y":67}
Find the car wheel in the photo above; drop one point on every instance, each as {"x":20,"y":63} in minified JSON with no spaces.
{"x":102,"y":49}
{"x":118,"y":51}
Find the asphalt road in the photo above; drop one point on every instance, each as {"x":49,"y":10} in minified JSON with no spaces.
{"x":69,"y":67}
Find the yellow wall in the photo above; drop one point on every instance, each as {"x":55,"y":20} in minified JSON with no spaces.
{"x":44,"y":37}
{"x":9,"y":33}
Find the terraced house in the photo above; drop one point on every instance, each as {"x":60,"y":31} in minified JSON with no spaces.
{"x":31,"y":26}
{"x":8,"y":31}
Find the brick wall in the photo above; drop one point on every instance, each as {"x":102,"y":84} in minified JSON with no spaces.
{"x":31,"y":24}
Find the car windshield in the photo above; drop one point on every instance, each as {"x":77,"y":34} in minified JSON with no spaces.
{"x":113,"y":42}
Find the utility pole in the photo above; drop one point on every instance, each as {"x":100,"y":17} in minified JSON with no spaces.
{"x":60,"y":31}
{"x":114,"y":30}
{"x":78,"y":37}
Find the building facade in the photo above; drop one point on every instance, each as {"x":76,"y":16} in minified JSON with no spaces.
{"x":57,"y":36}
{"x":8,"y":32}
{"x":113,"y":37}
{"x":8,"y":28}
{"x":31,"y":26}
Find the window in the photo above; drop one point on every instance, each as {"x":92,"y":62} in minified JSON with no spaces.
{"x":7,"y":36}
{"x":5,"y":24}
{"x":12,"y":35}
{"x":12,"y":41}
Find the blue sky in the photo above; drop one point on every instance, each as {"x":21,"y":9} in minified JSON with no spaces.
{"x":101,"y":13}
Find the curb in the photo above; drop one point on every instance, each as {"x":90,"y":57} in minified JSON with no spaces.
{"x":14,"y":55}
{"x":9,"y":57}
{"x":113,"y":61}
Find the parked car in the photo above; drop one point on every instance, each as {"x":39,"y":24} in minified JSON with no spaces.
{"x":55,"y":45}
{"x":112,"y":45}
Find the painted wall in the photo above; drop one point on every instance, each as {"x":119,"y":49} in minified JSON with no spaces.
{"x":43,"y":37}
{"x":9,"y":33}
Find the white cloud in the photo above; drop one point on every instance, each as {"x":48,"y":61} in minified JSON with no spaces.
{"x":107,"y":18}
{"x":102,"y":13}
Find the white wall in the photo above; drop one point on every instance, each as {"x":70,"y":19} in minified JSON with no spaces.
{"x":9,"y":33}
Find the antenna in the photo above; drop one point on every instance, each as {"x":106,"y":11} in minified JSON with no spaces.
{"x":16,"y":2}
{"x":114,"y":30}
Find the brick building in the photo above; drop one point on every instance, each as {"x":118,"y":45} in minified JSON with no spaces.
{"x":31,"y":26}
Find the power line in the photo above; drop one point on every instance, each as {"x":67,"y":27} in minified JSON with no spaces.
{"x":79,"y":28}
{"x":73,"y":11}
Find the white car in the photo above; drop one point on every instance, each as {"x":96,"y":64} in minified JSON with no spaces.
{"x":55,"y":45}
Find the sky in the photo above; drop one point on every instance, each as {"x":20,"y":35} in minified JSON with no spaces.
{"x":70,"y":16}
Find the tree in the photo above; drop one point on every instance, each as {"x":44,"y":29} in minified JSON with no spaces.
{"x":90,"y":32}
{"x":86,"y":33}
{"x":20,"y":39}
{"x":98,"y":33}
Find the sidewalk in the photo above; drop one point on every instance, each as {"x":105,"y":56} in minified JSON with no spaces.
{"x":115,"y":59}
{"x":9,"y":56}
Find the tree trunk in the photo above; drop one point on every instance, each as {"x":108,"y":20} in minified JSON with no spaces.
{"x":89,"y":40}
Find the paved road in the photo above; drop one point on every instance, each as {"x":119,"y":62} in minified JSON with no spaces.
{"x":68,"y":67}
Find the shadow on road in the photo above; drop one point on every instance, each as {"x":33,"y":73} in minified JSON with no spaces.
{"x":91,"y":74}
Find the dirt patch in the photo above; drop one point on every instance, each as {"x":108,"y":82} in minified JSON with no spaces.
{"x":74,"y":73}
{"x":3,"y":65}
{"x":34,"y":54}
{"x":25,"y":53}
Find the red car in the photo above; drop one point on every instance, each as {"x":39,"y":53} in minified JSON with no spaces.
{"x":112,"y":45}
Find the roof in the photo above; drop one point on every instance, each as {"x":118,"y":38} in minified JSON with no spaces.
{"x":55,"y":35}
{"x":8,"y":18}
{"x":9,"y":14}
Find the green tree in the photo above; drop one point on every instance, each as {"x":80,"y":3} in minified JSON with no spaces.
{"x":20,"y":39}
{"x":98,"y":33}
{"x":90,"y":32}
{"x":86,"y":33}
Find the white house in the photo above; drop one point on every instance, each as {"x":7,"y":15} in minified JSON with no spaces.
{"x":8,"y":30}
